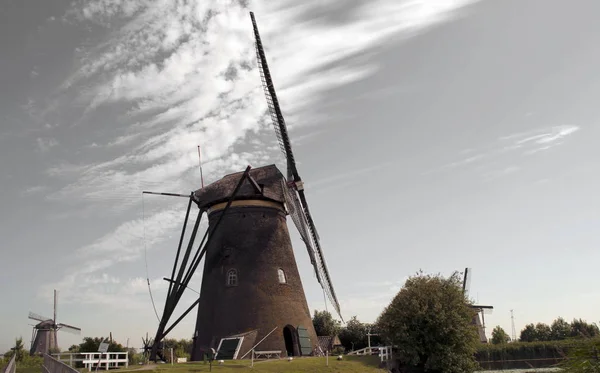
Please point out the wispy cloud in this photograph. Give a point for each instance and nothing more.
(46, 144)
(345, 178)
(507, 147)
(367, 299)
(34, 189)
(185, 72)
(89, 280)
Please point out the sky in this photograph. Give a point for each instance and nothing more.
(431, 134)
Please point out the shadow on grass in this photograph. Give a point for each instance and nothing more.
(349, 364)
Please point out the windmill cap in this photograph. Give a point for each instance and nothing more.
(269, 178)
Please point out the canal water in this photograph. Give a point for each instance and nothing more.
(537, 370)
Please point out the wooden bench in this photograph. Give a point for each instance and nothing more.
(267, 354)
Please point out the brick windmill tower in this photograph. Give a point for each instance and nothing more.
(251, 290)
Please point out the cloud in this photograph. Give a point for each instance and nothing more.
(90, 281)
(367, 299)
(105, 290)
(35, 190)
(345, 178)
(180, 74)
(494, 174)
(44, 145)
(505, 148)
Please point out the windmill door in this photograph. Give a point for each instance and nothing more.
(304, 341)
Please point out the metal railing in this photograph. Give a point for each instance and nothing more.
(11, 367)
(51, 365)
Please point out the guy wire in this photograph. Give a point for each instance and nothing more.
(146, 258)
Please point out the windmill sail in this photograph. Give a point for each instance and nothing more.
(467, 281)
(36, 317)
(303, 220)
(69, 328)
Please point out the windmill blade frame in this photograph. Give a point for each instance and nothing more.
(69, 328)
(467, 281)
(55, 304)
(294, 181)
(35, 316)
(273, 104)
(295, 211)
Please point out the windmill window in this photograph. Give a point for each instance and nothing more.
(281, 276)
(232, 277)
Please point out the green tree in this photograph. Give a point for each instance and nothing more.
(18, 349)
(325, 324)
(528, 334)
(429, 321)
(560, 329)
(499, 336)
(580, 328)
(583, 357)
(134, 356)
(543, 332)
(181, 347)
(74, 349)
(91, 344)
(354, 334)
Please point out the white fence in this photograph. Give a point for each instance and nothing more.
(91, 360)
(384, 352)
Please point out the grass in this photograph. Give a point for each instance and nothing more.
(349, 364)
(29, 369)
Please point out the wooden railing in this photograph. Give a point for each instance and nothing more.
(51, 365)
(11, 367)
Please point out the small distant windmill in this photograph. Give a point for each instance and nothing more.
(43, 337)
(480, 322)
(147, 347)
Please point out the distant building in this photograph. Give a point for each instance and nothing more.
(328, 343)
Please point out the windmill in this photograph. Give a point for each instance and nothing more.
(43, 338)
(479, 309)
(251, 288)
(147, 347)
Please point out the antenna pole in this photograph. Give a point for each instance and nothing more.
(512, 322)
(200, 163)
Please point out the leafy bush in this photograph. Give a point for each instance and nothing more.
(338, 350)
(583, 358)
(430, 322)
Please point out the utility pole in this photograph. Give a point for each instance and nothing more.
(512, 322)
(369, 337)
